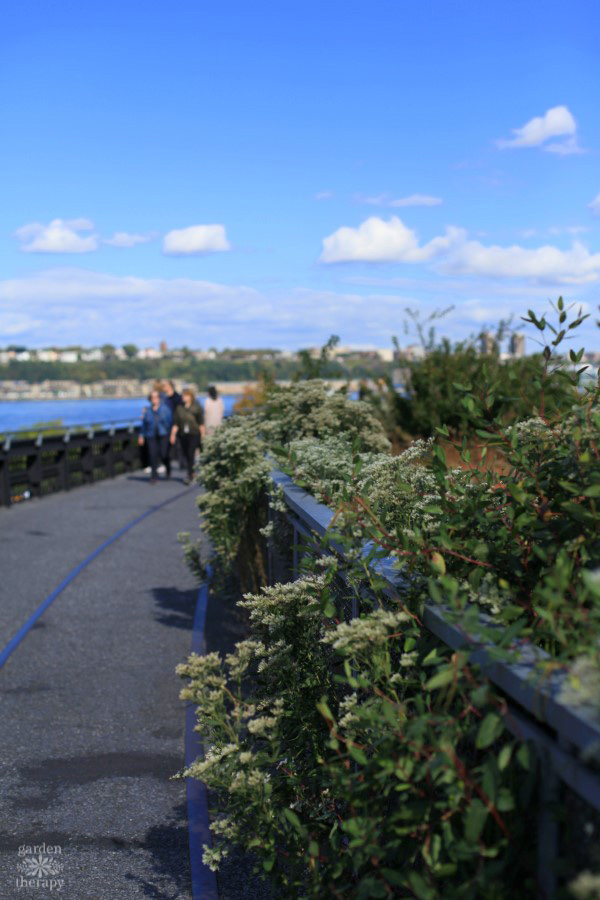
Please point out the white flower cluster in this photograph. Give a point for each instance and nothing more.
(366, 632)
(311, 409)
(582, 685)
(398, 489)
(347, 709)
(269, 608)
(586, 886)
(532, 429)
(212, 856)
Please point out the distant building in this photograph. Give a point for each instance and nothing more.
(68, 356)
(163, 347)
(517, 345)
(149, 353)
(47, 355)
(487, 344)
(93, 355)
(411, 353)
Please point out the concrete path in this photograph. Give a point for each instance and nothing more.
(91, 725)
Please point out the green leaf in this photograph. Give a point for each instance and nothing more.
(491, 728)
(475, 818)
(440, 679)
(438, 563)
(592, 491)
(591, 579)
(324, 709)
(525, 756)
(358, 755)
(420, 887)
(504, 756)
(293, 819)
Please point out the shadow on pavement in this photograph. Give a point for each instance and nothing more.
(167, 845)
(175, 608)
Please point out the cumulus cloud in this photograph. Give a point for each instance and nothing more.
(595, 205)
(195, 240)
(411, 200)
(556, 122)
(59, 236)
(545, 264)
(125, 239)
(377, 240)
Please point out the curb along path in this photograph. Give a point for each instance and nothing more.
(92, 726)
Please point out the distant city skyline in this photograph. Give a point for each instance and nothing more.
(269, 174)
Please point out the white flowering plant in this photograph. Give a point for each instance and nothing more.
(362, 758)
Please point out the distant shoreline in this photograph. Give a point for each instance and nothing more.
(19, 392)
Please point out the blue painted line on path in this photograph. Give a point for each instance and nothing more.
(26, 628)
(204, 881)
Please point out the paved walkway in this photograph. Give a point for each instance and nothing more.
(92, 727)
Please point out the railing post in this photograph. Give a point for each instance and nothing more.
(548, 841)
(34, 468)
(63, 463)
(294, 552)
(87, 458)
(110, 453)
(5, 497)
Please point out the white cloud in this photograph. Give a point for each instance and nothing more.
(573, 230)
(125, 239)
(377, 240)
(59, 236)
(545, 264)
(595, 205)
(67, 305)
(412, 200)
(324, 195)
(195, 240)
(556, 122)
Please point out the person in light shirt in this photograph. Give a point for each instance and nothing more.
(213, 411)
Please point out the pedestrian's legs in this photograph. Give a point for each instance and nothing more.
(189, 443)
(164, 453)
(144, 460)
(179, 453)
(153, 453)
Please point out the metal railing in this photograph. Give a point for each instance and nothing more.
(566, 738)
(49, 462)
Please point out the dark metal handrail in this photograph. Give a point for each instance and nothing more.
(34, 466)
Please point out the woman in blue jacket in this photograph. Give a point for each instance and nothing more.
(156, 428)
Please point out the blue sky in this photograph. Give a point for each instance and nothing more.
(231, 173)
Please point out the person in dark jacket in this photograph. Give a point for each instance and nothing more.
(173, 399)
(188, 426)
(156, 427)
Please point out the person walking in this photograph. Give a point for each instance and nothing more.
(214, 410)
(156, 427)
(173, 399)
(188, 427)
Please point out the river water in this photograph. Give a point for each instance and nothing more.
(16, 415)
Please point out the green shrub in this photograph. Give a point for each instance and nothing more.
(365, 759)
